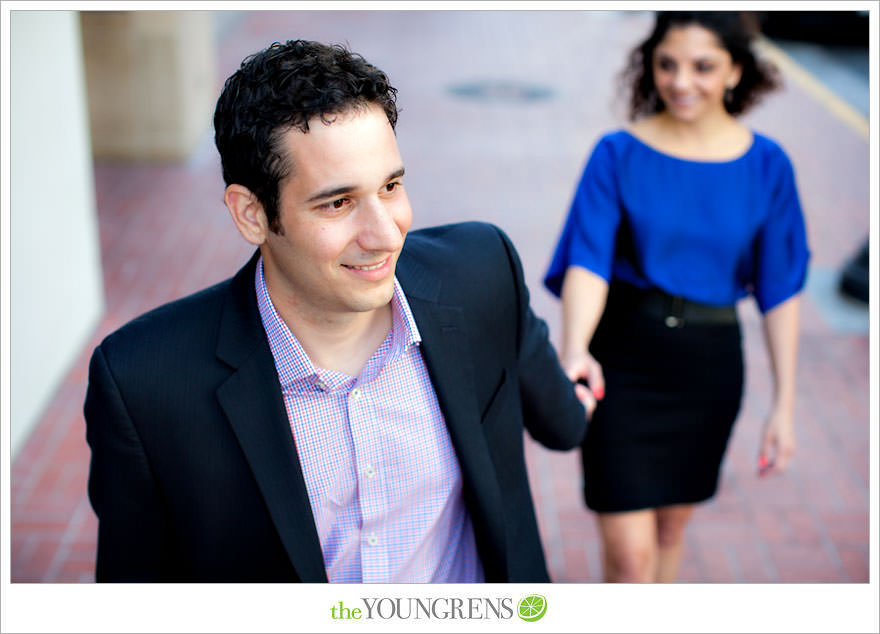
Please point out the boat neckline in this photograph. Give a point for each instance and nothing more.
(691, 160)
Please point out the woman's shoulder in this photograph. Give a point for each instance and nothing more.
(768, 146)
(611, 145)
(771, 155)
(610, 138)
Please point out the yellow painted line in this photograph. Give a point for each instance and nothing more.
(813, 87)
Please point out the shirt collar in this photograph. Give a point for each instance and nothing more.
(291, 361)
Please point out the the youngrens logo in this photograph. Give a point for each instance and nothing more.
(530, 608)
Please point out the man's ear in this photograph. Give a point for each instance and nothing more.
(247, 214)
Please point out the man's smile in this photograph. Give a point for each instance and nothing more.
(367, 267)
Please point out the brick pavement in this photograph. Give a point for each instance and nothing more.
(164, 233)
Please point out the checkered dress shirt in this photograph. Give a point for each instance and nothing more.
(381, 473)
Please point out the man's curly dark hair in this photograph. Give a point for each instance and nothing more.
(735, 32)
(283, 87)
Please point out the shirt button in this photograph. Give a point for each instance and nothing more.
(356, 394)
(321, 385)
(369, 471)
(372, 540)
(672, 321)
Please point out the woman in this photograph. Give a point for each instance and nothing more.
(675, 219)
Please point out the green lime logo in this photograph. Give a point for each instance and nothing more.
(532, 608)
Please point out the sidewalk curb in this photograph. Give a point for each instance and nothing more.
(813, 87)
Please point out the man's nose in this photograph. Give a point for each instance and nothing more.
(379, 231)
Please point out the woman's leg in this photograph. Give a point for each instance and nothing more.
(630, 545)
(671, 521)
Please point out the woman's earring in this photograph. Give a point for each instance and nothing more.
(728, 96)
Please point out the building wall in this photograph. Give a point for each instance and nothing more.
(150, 77)
(56, 282)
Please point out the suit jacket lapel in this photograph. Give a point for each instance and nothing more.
(448, 359)
(252, 400)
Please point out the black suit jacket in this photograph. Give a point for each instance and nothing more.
(194, 470)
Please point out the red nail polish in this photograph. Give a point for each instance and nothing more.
(600, 393)
(762, 461)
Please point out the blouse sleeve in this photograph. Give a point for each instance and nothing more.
(781, 248)
(588, 236)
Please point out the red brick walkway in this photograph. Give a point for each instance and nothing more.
(164, 232)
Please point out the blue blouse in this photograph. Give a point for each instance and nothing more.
(710, 231)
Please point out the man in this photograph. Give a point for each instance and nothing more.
(349, 407)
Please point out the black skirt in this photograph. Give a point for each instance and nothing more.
(673, 384)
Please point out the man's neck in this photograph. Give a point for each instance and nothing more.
(344, 344)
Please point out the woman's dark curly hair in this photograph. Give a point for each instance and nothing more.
(735, 32)
(280, 88)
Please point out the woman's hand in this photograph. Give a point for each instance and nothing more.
(781, 331)
(586, 373)
(777, 443)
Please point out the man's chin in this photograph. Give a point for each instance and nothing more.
(375, 300)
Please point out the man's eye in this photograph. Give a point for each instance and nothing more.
(339, 203)
(390, 187)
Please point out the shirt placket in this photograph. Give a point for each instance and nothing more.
(370, 476)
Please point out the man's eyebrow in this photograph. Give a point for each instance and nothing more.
(345, 189)
(330, 193)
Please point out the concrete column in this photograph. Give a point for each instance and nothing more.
(150, 77)
(56, 287)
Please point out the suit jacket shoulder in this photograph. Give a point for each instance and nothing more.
(180, 324)
(473, 263)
